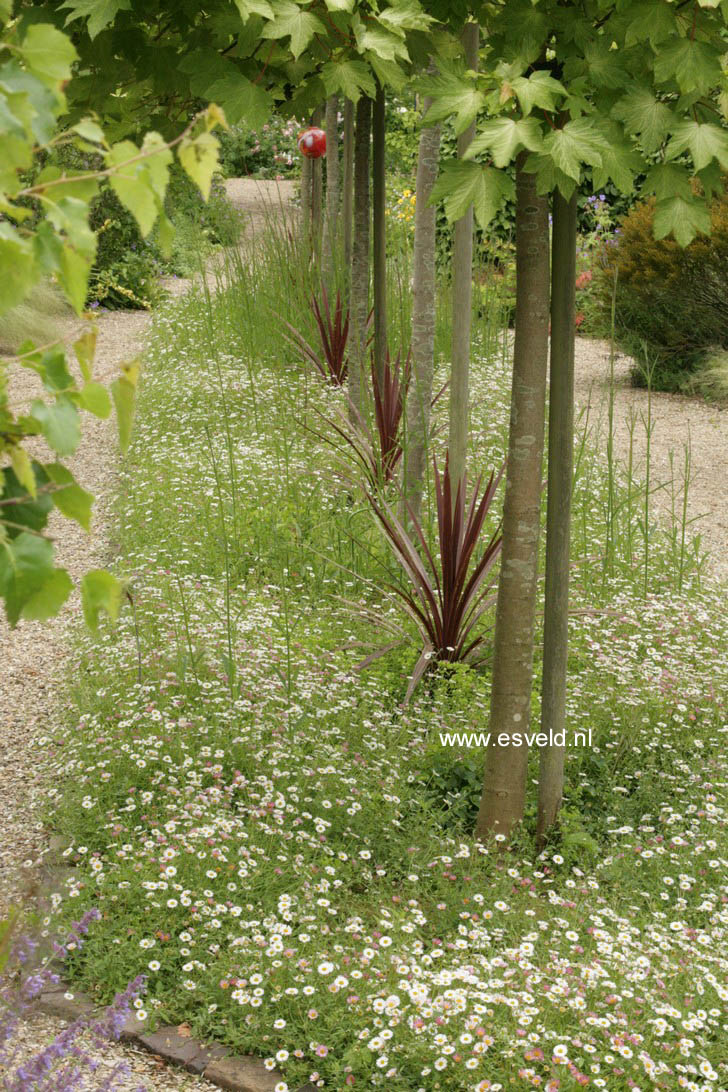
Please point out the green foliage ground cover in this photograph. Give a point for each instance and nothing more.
(286, 851)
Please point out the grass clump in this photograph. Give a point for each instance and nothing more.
(285, 850)
(38, 317)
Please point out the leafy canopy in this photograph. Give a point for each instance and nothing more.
(625, 89)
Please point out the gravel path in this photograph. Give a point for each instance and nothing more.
(677, 422)
(33, 656)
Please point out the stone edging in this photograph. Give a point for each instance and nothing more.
(235, 1072)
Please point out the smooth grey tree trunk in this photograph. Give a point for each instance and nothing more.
(347, 187)
(306, 199)
(359, 298)
(331, 219)
(419, 398)
(504, 782)
(558, 511)
(316, 194)
(462, 296)
(379, 248)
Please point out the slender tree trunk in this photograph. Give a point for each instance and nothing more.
(462, 296)
(379, 204)
(331, 220)
(419, 398)
(558, 511)
(359, 300)
(316, 195)
(504, 784)
(306, 200)
(347, 187)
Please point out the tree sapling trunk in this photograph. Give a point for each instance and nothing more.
(504, 783)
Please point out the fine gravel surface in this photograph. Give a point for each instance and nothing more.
(678, 423)
(33, 657)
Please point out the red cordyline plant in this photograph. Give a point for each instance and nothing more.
(446, 595)
(332, 362)
(389, 400)
(378, 455)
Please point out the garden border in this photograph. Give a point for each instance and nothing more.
(213, 1061)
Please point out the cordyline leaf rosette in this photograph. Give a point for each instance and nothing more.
(390, 395)
(447, 594)
(58, 244)
(625, 90)
(334, 333)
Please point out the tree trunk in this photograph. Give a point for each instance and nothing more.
(306, 196)
(316, 195)
(379, 204)
(558, 510)
(504, 784)
(359, 299)
(331, 220)
(347, 186)
(423, 319)
(462, 295)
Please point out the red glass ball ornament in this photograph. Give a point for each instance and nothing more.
(312, 143)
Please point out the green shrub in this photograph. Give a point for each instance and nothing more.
(671, 305)
(268, 152)
(127, 266)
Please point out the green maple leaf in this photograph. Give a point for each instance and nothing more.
(503, 137)
(548, 176)
(351, 78)
(694, 65)
(463, 183)
(538, 89)
(100, 13)
(651, 20)
(48, 54)
(253, 7)
(705, 142)
(682, 218)
(620, 161)
(668, 180)
(26, 572)
(604, 66)
(291, 21)
(577, 142)
(381, 43)
(405, 15)
(644, 114)
(241, 99)
(453, 96)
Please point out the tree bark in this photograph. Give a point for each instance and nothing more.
(359, 299)
(504, 783)
(379, 249)
(316, 195)
(347, 187)
(331, 220)
(462, 295)
(306, 197)
(558, 510)
(419, 398)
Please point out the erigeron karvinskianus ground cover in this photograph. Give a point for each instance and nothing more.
(286, 852)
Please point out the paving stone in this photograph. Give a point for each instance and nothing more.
(181, 1049)
(242, 1074)
(53, 1002)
